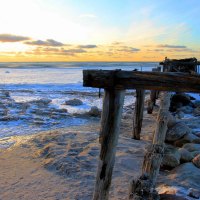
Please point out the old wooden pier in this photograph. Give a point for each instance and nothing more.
(115, 83)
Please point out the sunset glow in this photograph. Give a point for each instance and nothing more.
(85, 30)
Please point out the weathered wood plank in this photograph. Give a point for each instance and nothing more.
(144, 187)
(163, 81)
(110, 125)
(138, 114)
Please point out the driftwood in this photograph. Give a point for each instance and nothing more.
(162, 81)
(110, 125)
(144, 187)
(138, 114)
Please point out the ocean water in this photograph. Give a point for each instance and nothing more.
(57, 82)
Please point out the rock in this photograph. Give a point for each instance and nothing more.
(196, 161)
(171, 157)
(171, 121)
(171, 197)
(186, 156)
(196, 111)
(194, 193)
(179, 100)
(195, 153)
(180, 114)
(41, 102)
(74, 102)
(9, 118)
(94, 111)
(197, 134)
(188, 138)
(6, 93)
(197, 103)
(196, 141)
(186, 109)
(177, 131)
(192, 147)
(183, 172)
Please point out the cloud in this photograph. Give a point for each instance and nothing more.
(73, 51)
(12, 38)
(171, 46)
(55, 51)
(129, 49)
(49, 42)
(90, 46)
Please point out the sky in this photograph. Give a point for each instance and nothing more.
(98, 30)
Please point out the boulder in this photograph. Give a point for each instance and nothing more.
(171, 157)
(197, 134)
(196, 103)
(194, 193)
(186, 156)
(188, 138)
(74, 102)
(94, 111)
(180, 114)
(177, 131)
(186, 109)
(196, 111)
(192, 147)
(6, 93)
(186, 175)
(171, 121)
(171, 197)
(195, 153)
(41, 102)
(196, 161)
(179, 100)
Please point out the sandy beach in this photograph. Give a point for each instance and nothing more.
(61, 164)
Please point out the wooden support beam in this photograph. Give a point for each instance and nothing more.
(153, 95)
(163, 81)
(109, 132)
(138, 114)
(151, 101)
(144, 187)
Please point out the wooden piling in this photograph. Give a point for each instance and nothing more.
(144, 187)
(109, 132)
(138, 114)
(153, 95)
(152, 101)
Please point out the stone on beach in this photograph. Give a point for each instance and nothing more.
(196, 111)
(186, 175)
(74, 102)
(196, 161)
(186, 156)
(192, 147)
(41, 102)
(188, 138)
(194, 193)
(177, 131)
(179, 100)
(171, 157)
(94, 112)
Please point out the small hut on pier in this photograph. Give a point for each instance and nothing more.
(187, 65)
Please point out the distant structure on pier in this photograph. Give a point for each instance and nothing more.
(187, 65)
